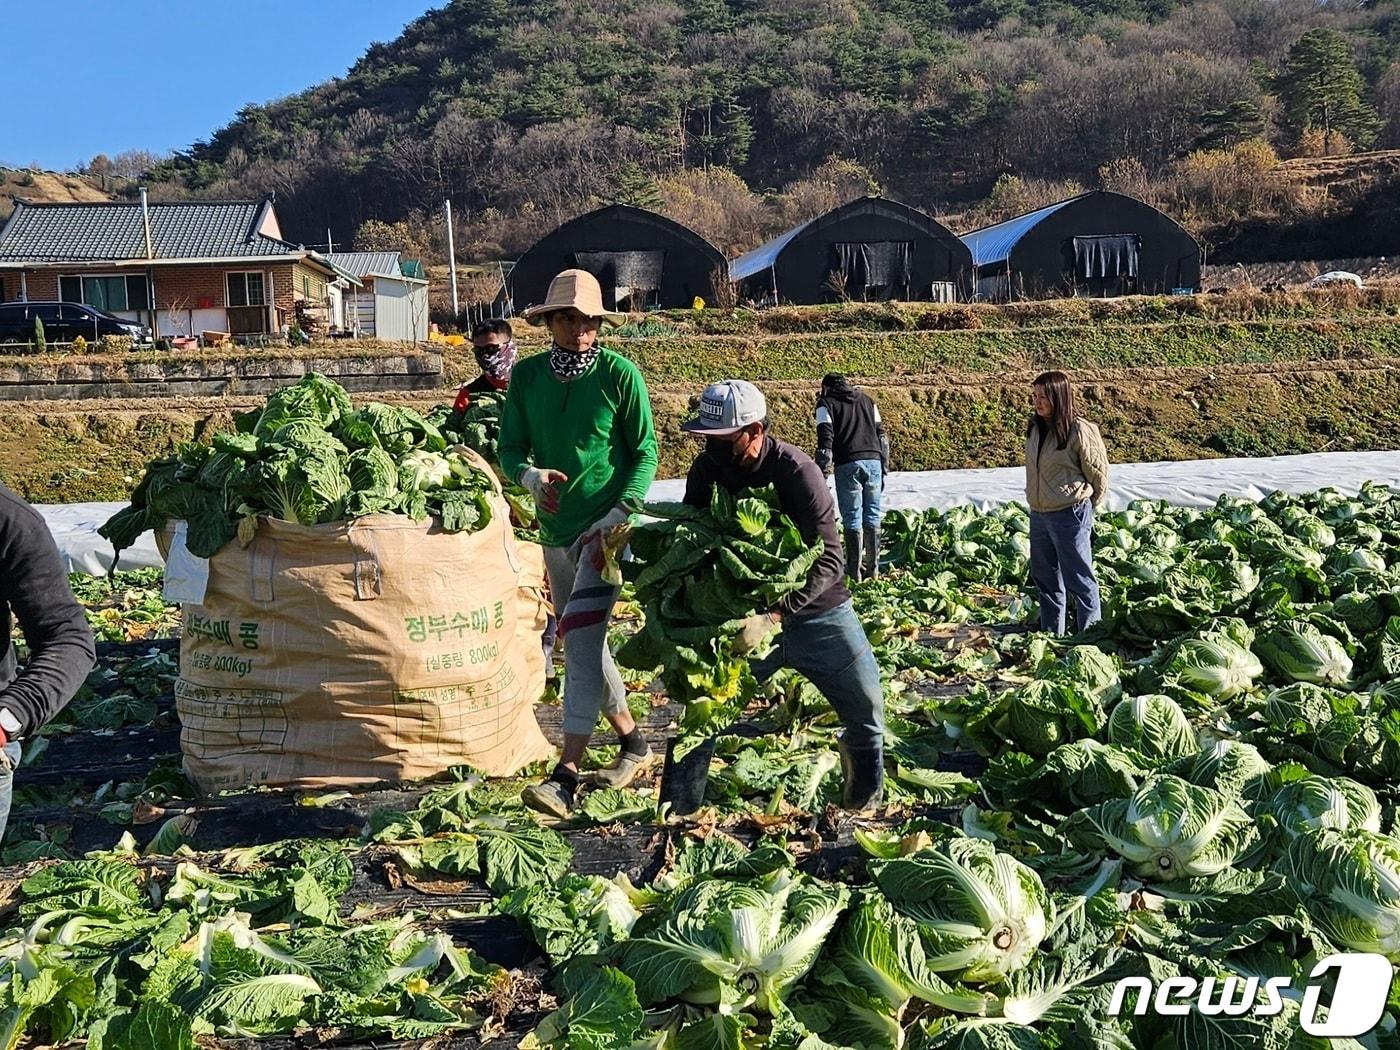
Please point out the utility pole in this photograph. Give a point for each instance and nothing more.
(451, 258)
(150, 270)
(330, 244)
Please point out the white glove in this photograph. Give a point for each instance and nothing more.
(754, 630)
(608, 535)
(617, 518)
(609, 521)
(543, 484)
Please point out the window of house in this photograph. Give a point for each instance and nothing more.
(111, 293)
(246, 289)
(305, 286)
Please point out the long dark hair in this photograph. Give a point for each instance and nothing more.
(1057, 389)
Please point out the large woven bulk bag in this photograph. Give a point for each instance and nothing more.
(376, 649)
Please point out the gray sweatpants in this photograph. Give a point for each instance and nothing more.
(584, 604)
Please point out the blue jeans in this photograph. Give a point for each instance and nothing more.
(831, 651)
(8, 766)
(858, 491)
(1061, 560)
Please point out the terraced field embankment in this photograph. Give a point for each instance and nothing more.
(1167, 379)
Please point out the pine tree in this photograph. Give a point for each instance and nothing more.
(707, 16)
(1321, 88)
(1223, 128)
(636, 187)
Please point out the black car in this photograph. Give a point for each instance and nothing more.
(64, 322)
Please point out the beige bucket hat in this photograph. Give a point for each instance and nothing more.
(578, 289)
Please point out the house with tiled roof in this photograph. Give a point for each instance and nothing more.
(391, 301)
(181, 267)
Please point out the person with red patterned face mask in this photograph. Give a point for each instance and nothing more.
(494, 345)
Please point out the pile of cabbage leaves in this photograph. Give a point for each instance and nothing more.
(697, 573)
(308, 457)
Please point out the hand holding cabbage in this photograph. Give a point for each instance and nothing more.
(705, 577)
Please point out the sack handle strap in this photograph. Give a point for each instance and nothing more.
(262, 568)
(369, 576)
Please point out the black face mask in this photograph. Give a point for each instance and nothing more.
(725, 452)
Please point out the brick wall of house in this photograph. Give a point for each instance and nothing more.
(40, 285)
(286, 289)
(175, 285)
(183, 286)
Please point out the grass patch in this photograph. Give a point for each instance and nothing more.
(950, 398)
(1191, 413)
(1380, 299)
(894, 354)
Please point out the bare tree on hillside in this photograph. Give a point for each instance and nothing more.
(135, 163)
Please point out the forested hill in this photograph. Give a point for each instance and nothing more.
(537, 110)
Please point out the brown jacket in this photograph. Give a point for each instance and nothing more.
(1057, 478)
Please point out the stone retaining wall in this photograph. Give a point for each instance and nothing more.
(212, 377)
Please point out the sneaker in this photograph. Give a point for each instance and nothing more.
(549, 797)
(624, 771)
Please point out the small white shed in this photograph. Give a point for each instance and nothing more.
(392, 304)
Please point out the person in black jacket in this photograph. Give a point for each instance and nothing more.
(34, 587)
(852, 444)
(493, 342)
(819, 634)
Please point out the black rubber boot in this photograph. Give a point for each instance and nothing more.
(862, 778)
(853, 554)
(870, 565)
(683, 780)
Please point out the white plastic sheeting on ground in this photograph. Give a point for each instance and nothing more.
(1191, 483)
(74, 527)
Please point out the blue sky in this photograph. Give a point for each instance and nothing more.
(101, 76)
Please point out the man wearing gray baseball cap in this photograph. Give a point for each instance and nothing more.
(819, 634)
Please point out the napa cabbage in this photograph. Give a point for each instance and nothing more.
(742, 943)
(1298, 652)
(1317, 802)
(1217, 664)
(1231, 767)
(1350, 884)
(1153, 726)
(1169, 829)
(306, 458)
(981, 913)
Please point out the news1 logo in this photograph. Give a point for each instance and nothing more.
(1360, 988)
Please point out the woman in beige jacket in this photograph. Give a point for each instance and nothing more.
(1066, 478)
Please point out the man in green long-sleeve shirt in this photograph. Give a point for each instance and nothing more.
(576, 430)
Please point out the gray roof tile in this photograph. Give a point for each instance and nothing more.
(108, 231)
